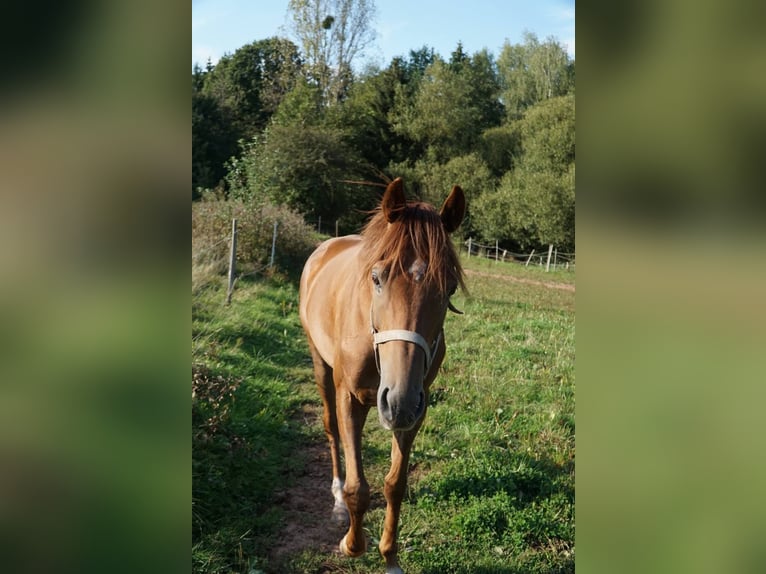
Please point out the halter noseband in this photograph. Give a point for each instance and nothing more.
(380, 337)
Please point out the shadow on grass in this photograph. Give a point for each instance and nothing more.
(245, 441)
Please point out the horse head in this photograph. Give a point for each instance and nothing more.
(413, 270)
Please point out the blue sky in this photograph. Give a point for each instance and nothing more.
(222, 26)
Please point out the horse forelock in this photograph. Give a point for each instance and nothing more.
(417, 233)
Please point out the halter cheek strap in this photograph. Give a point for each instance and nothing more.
(380, 337)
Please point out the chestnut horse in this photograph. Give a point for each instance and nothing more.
(373, 307)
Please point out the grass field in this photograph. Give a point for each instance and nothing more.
(491, 485)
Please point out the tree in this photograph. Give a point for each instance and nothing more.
(332, 34)
(500, 147)
(534, 204)
(532, 72)
(302, 166)
(468, 171)
(454, 103)
(251, 83)
(234, 101)
(417, 63)
(212, 137)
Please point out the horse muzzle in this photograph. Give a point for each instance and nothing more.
(401, 404)
(400, 411)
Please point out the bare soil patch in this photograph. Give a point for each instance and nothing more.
(307, 504)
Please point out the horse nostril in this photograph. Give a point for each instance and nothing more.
(383, 401)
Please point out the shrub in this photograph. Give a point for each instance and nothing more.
(211, 238)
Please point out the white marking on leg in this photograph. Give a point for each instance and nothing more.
(339, 510)
(337, 489)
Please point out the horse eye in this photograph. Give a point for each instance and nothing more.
(375, 279)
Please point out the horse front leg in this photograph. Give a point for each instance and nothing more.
(395, 487)
(356, 492)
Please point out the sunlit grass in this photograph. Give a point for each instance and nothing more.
(491, 486)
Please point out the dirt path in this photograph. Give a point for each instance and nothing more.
(548, 284)
(307, 504)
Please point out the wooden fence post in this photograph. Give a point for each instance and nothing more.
(497, 250)
(469, 247)
(336, 228)
(273, 245)
(319, 225)
(548, 263)
(529, 258)
(232, 260)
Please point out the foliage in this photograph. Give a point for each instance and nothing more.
(548, 135)
(535, 208)
(213, 137)
(534, 204)
(251, 82)
(468, 171)
(363, 118)
(301, 106)
(234, 100)
(211, 233)
(499, 146)
(454, 103)
(532, 72)
(273, 123)
(302, 167)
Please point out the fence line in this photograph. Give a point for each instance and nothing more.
(558, 258)
(233, 275)
(202, 250)
(551, 256)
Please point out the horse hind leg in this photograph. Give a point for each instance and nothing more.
(324, 380)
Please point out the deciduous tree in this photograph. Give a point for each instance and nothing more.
(534, 204)
(332, 35)
(533, 71)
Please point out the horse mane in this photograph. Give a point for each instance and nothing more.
(418, 233)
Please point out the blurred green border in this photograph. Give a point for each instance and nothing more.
(670, 308)
(94, 320)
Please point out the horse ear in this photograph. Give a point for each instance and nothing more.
(393, 201)
(453, 210)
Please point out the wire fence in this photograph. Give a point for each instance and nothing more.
(550, 258)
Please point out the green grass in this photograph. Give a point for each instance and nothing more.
(491, 487)
(252, 372)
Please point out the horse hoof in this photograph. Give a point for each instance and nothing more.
(345, 549)
(394, 570)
